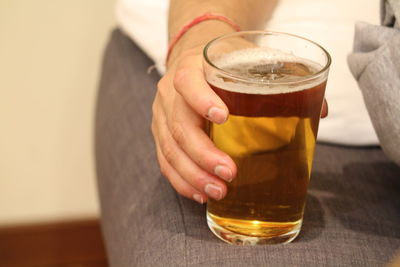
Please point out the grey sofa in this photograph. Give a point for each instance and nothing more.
(352, 215)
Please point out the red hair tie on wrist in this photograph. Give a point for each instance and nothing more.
(197, 20)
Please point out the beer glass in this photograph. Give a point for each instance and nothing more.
(273, 85)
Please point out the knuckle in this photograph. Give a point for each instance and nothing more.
(181, 77)
(201, 180)
(153, 128)
(154, 108)
(177, 133)
(162, 87)
(164, 171)
(203, 160)
(168, 152)
(161, 83)
(153, 117)
(164, 168)
(154, 121)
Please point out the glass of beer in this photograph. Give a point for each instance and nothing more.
(273, 85)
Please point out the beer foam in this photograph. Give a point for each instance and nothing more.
(238, 62)
(251, 55)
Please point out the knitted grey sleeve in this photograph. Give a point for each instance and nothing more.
(375, 63)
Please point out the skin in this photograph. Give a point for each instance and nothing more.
(186, 155)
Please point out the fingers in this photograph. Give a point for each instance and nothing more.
(186, 129)
(187, 157)
(177, 182)
(190, 83)
(178, 167)
(324, 111)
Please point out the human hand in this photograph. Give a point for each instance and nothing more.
(186, 155)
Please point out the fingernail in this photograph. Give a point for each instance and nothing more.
(198, 198)
(213, 191)
(217, 115)
(223, 172)
(327, 108)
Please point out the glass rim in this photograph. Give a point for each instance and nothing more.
(247, 80)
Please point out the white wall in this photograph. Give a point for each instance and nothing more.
(50, 54)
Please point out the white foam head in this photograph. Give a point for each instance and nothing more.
(252, 85)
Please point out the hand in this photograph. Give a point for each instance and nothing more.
(324, 110)
(187, 156)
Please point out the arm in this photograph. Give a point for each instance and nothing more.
(187, 157)
(249, 15)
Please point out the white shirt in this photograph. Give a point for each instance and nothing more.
(328, 22)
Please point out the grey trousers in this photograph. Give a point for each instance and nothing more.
(352, 215)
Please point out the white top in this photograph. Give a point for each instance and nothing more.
(329, 23)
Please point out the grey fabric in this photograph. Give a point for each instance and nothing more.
(390, 13)
(352, 216)
(375, 63)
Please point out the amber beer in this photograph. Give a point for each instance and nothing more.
(270, 134)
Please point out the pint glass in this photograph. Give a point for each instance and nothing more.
(273, 85)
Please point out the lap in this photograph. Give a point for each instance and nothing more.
(351, 215)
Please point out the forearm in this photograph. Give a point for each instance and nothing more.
(250, 14)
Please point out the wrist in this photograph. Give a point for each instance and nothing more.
(198, 36)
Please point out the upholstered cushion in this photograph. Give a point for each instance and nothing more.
(352, 215)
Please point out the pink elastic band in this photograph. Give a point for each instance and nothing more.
(197, 20)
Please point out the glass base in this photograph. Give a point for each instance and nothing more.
(266, 233)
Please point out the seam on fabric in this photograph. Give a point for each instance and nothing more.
(184, 225)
